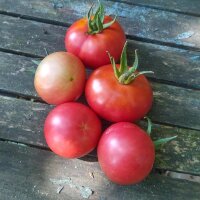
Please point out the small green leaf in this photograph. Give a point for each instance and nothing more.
(115, 69)
(101, 12)
(109, 23)
(96, 20)
(89, 15)
(159, 142)
(99, 24)
(90, 12)
(135, 64)
(149, 125)
(123, 60)
(143, 72)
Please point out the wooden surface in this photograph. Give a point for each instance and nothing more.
(166, 33)
(170, 5)
(39, 174)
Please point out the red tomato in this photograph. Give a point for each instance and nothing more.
(92, 48)
(126, 153)
(72, 130)
(60, 78)
(117, 102)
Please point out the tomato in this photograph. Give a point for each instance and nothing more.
(91, 46)
(72, 130)
(117, 92)
(117, 102)
(60, 78)
(125, 153)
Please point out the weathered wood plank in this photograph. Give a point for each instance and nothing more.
(182, 154)
(18, 73)
(36, 38)
(169, 64)
(170, 105)
(193, 7)
(28, 173)
(175, 105)
(138, 21)
(22, 121)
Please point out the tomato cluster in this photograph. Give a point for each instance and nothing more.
(115, 92)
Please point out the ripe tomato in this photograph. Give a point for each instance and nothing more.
(90, 38)
(117, 102)
(72, 130)
(118, 92)
(59, 78)
(125, 153)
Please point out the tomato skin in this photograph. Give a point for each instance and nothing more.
(72, 130)
(125, 153)
(116, 102)
(92, 49)
(60, 78)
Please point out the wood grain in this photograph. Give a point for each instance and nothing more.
(177, 6)
(169, 64)
(175, 105)
(28, 173)
(141, 22)
(37, 37)
(30, 28)
(170, 102)
(22, 121)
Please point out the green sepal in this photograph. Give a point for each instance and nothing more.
(89, 15)
(96, 20)
(101, 12)
(123, 60)
(159, 142)
(109, 23)
(149, 126)
(135, 64)
(99, 23)
(115, 69)
(125, 74)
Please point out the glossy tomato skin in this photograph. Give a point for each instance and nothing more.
(72, 130)
(92, 49)
(116, 102)
(126, 153)
(60, 78)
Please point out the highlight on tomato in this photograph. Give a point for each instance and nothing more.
(118, 93)
(72, 130)
(60, 78)
(91, 37)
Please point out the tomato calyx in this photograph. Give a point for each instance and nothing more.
(96, 20)
(125, 74)
(158, 142)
